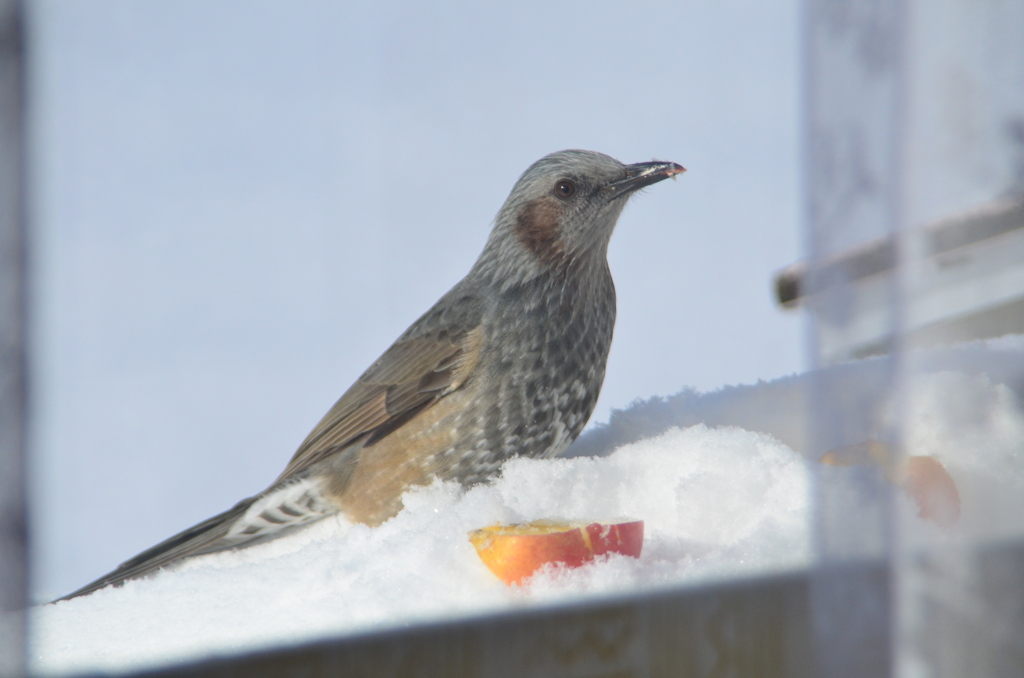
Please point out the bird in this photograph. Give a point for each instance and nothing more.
(509, 362)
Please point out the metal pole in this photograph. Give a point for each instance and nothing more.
(13, 363)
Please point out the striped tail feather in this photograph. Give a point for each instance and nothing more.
(249, 522)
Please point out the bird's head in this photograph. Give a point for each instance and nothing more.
(563, 209)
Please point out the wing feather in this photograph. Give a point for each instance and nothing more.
(411, 375)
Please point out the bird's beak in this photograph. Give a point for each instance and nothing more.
(643, 174)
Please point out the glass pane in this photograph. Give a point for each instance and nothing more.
(916, 171)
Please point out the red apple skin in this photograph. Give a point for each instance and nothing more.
(515, 552)
(624, 538)
(928, 482)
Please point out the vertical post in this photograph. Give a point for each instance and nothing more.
(854, 83)
(13, 527)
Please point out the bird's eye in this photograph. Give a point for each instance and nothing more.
(565, 189)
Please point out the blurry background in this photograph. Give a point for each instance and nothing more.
(238, 206)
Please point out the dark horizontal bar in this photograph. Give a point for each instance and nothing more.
(795, 282)
(756, 627)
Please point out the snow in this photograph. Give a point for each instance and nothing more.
(716, 477)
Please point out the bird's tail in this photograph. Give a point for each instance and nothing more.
(282, 507)
(206, 537)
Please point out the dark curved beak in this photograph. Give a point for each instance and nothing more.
(643, 174)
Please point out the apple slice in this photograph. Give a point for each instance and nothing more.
(924, 479)
(514, 552)
(931, 486)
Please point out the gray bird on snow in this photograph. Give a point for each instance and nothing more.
(509, 362)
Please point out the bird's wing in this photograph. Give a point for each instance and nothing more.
(414, 373)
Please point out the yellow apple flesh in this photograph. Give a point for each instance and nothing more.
(514, 552)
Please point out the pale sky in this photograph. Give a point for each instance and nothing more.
(238, 206)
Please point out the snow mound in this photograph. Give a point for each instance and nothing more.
(716, 502)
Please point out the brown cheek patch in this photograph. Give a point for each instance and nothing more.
(537, 228)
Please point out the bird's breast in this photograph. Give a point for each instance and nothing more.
(541, 373)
